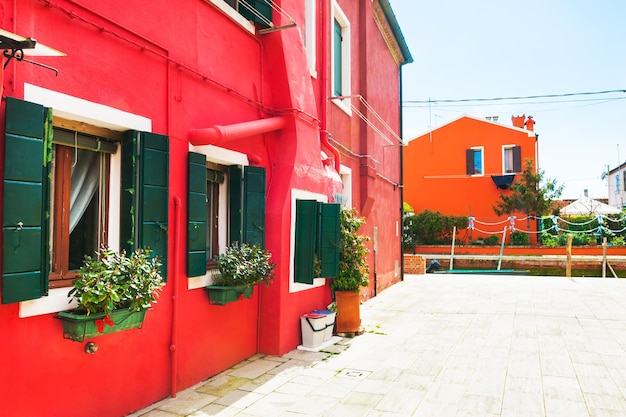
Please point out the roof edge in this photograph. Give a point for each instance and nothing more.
(397, 32)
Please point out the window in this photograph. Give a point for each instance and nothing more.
(337, 58)
(214, 180)
(225, 204)
(511, 159)
(259, 11)
(624, 177)
(474, 161)
(79, 189)
(310, 33)
(58, 185)
(340, 53)
(316, 241)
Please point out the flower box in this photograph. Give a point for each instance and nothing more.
(222, 295)
(78, 326)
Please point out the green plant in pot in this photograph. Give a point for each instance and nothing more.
(241, 267)
(353, 271)
(113, 292)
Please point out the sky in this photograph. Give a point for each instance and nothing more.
(485, 49)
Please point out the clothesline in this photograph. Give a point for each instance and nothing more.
(512, 220)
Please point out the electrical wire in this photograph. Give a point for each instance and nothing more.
(464, 100)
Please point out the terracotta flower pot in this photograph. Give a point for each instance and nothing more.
(348, 318)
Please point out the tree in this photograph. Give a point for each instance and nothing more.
(532, 194)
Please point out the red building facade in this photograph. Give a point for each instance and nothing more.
(267, 103)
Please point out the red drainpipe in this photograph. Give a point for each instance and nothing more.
(323, 54)
(174, 284)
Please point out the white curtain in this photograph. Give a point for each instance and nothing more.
(84, 184)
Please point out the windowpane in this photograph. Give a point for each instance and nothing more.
(508, 160)
(78, 207)
(478, 161)
(84, 207)
(212, 224)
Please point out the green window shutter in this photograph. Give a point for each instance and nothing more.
(235, 200)
(247, 204)
(328, 239)
(261, 7)
(26, 201)
(337, 60)
(306, 225)
(145, 171)
(254, 206)
(196, 215)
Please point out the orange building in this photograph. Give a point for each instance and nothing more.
(462, 167)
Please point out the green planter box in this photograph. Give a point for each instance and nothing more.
(79, 327)
(223, 295)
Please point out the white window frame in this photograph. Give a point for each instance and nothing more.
(233, 15)
(226, 157)
(482, 160)
(74, 108)
(310, 35)
(301, 195)
(346, 71)
(346, 181)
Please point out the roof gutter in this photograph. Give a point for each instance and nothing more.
(395, 29)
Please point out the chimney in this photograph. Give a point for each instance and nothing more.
(586, 192)
(530, 123)
(518, 121)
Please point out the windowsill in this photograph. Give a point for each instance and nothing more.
(344, 105)
(233, 15)
(56, 300)
(193, 283)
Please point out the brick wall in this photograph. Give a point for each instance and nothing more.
(414, 264)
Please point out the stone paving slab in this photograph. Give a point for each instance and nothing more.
(445, 345)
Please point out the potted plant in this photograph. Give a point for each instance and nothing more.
(113, 292)
(353, 272)
(241, 267)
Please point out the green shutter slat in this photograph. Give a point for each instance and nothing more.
(196, 214)
(328, 239)
(24, 118)
(260, 6)
(25, 201)
(254, 206)
(306, 224)
(145, 176)
(128, 191)
(235, 200)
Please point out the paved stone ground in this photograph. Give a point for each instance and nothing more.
(445, 345)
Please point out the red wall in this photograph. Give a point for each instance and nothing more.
(202, 70)
(375, 151)
(435, 174)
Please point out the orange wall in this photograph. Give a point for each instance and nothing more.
(435, 175)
